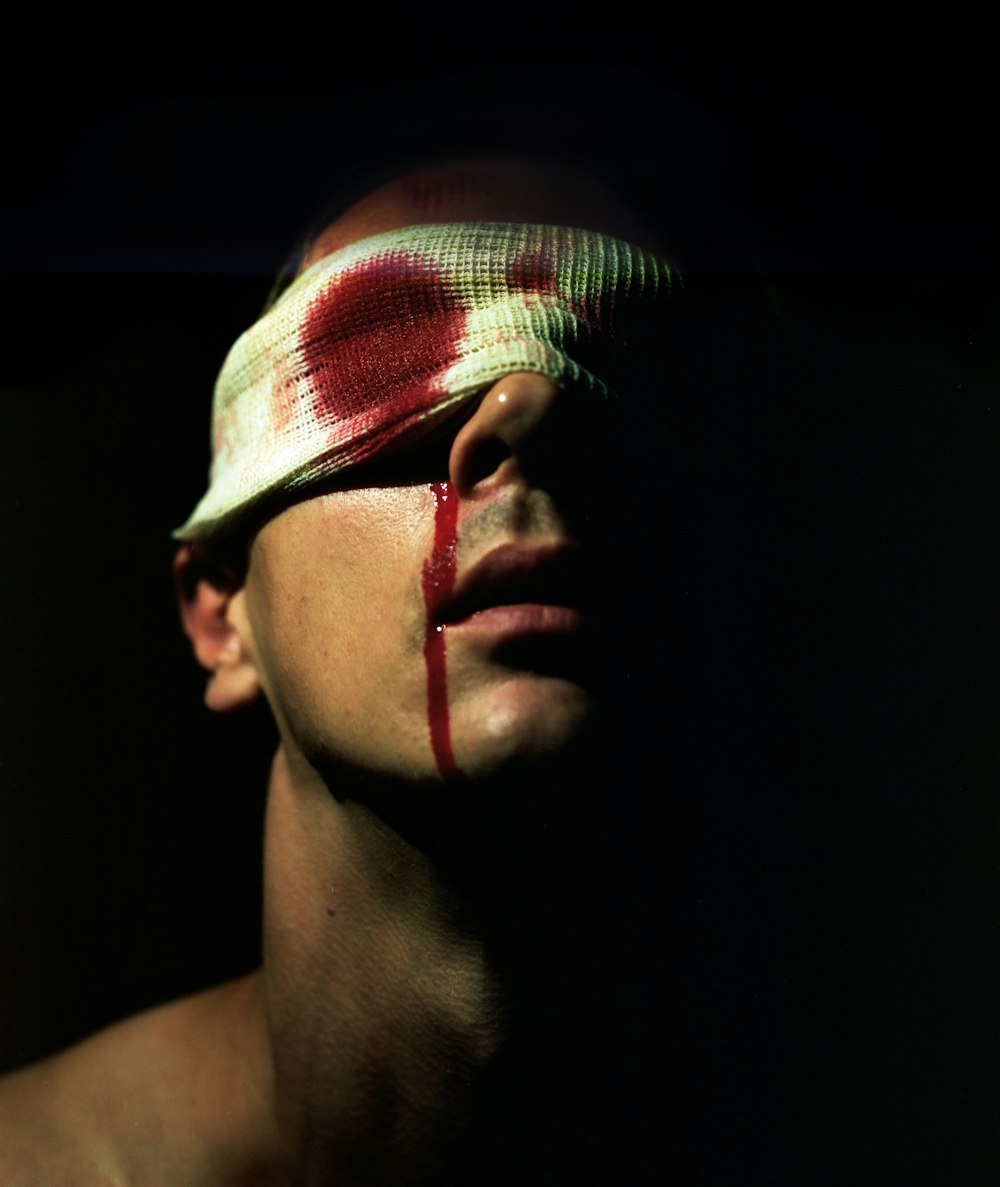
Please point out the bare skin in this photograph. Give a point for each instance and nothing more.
(99, 1114)
(354, 1055)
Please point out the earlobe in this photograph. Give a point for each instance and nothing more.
(213, 616)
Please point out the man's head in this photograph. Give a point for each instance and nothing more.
(422, 611)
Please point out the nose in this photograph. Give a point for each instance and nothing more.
(501, 437)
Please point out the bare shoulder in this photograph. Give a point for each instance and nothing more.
(46, 1139)
(179, 1095)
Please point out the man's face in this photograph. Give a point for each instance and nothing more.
(431, 619)
(427, 618)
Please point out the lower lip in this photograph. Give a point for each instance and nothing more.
(523, 618)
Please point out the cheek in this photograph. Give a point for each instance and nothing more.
(336, 606)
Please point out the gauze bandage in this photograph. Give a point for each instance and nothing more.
(373, 345)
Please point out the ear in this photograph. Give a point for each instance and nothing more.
(213, 614)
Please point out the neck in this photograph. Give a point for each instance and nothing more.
(380, 999)
(423, 946)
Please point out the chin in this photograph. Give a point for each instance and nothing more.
(531, 720)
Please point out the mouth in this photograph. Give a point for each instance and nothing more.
(519, 589)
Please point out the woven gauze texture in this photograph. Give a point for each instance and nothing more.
(374, 344)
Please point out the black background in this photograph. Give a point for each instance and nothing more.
(833, 212)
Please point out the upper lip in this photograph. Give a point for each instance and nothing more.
(515, 573)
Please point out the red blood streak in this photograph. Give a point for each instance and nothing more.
(439, 581)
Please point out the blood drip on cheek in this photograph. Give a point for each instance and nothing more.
(438, 582)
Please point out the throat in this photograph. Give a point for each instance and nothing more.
(382, 1005)
(436, 966)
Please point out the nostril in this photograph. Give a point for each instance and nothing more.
(485, 458)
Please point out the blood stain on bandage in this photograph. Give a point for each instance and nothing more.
(438, 582)
(375, 345)
(534, 271)
(531, 271)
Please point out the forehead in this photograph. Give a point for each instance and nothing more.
(487, 190)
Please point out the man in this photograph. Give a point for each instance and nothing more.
(415, 545)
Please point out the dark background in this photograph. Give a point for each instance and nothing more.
(833, 367)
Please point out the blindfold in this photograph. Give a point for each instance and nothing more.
(374, 345)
